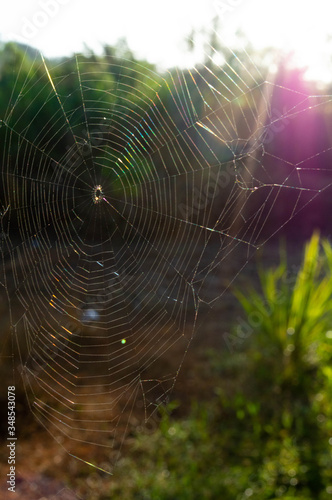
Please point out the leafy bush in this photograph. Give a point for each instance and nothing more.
(295, 315)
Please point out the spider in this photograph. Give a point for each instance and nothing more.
(97, 194)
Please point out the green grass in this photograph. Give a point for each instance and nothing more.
(266, 433)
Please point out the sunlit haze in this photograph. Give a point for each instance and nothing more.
(156, 30)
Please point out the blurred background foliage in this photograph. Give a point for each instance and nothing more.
(126, 97)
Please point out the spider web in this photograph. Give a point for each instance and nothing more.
(122, 198)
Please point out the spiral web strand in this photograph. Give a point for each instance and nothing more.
(117, 209)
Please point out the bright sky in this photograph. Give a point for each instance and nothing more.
(155, 29)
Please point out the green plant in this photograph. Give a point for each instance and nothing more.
(290, 354)
(295, 314)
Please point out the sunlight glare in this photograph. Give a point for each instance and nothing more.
(302, 29)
